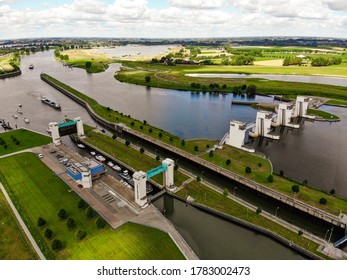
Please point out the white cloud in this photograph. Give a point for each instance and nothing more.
(338, 5)
(197, 4)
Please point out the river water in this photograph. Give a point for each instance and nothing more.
(308, 153)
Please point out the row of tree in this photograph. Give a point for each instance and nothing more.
(292, 61)
(326, 61)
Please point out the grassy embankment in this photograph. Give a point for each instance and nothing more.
(173, 77)
(213, 199)
(37, 192)
(5, 65)
(323, 115)
(26, 139)
(14, 244)
(78, 58)
(239, 159)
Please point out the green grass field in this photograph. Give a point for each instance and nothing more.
(27, 139)
(14, 244)
(322, 114)
(37, 192)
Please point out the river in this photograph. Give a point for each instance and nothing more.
(187, 114)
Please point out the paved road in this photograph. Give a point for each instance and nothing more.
(21, 222)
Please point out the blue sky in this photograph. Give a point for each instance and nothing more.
(172, 18)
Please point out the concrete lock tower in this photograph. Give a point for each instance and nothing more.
(86, 179)
(169, 172)
(53, 126)
(263, 125)
(284, 116)
(301, 106)
(80, 129)
(140, 179)
(238, 135)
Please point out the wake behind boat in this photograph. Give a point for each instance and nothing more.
(51, 103)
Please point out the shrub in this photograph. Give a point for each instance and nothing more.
(57, 245)
(196, 148)
(127, 143)
(90, 213)
(62, 214)
(210, 154)
(198, 178)
(225, 192)
(323, 201)
(295, 188)
(248, 170)
(260, 164)
(41, 222)
(80, 234)
(332, 191)
(70, 222)
(141, 127)
(142, 150)
(48, 233)
(228, 162)
(281, 173)
(150, 130)
(258, 211)
(183, 143)
(81, 204)
(132, 124)
(100, 223)
(160, 135)
(147, 79)
(270, 178)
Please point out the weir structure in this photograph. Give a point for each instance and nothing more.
(140, 178)
(285, 115)
(263, 125)
(66, 128)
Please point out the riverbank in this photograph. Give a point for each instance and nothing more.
(11, 74)
(174, 77)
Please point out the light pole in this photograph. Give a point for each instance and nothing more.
(155, 152)
(276, 211)
(201, 174)
(234, 190)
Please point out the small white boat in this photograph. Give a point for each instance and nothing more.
(19, 111)
(125, 175)
(93, 153)
(26, 120)
(100, 158)
(15, 116)
(31, 66)
(110, 164)
(81, 146)
(116, 167)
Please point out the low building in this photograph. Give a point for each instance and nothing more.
(84, 173)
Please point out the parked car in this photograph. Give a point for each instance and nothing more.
(39, 155)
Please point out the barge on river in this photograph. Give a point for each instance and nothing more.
(51, 103)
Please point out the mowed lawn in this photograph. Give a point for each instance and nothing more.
(26, 139)
(13, 243)
(37, 192)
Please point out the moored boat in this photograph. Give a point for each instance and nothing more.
(51, 103)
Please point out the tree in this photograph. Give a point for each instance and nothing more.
(81, 204)
(142, 150)
(80, 234)
(48, 233)
(127, 143)
(258, 211)
(225, 192)
(196, 148)
(57, 245)
(88, 64)
(150, 130)
(210, 154)
(228, 162)
(147, 79)
(270, 178)
(62, 214)
(100, 223)
(332, 191)
(323, 201)
(90, 213)
(198, 178)
(251, 89)
(41, 222)
(160, 135)
(132, 123)
(295, 188)
(248, 170)
(70, 222)
(183, 143)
